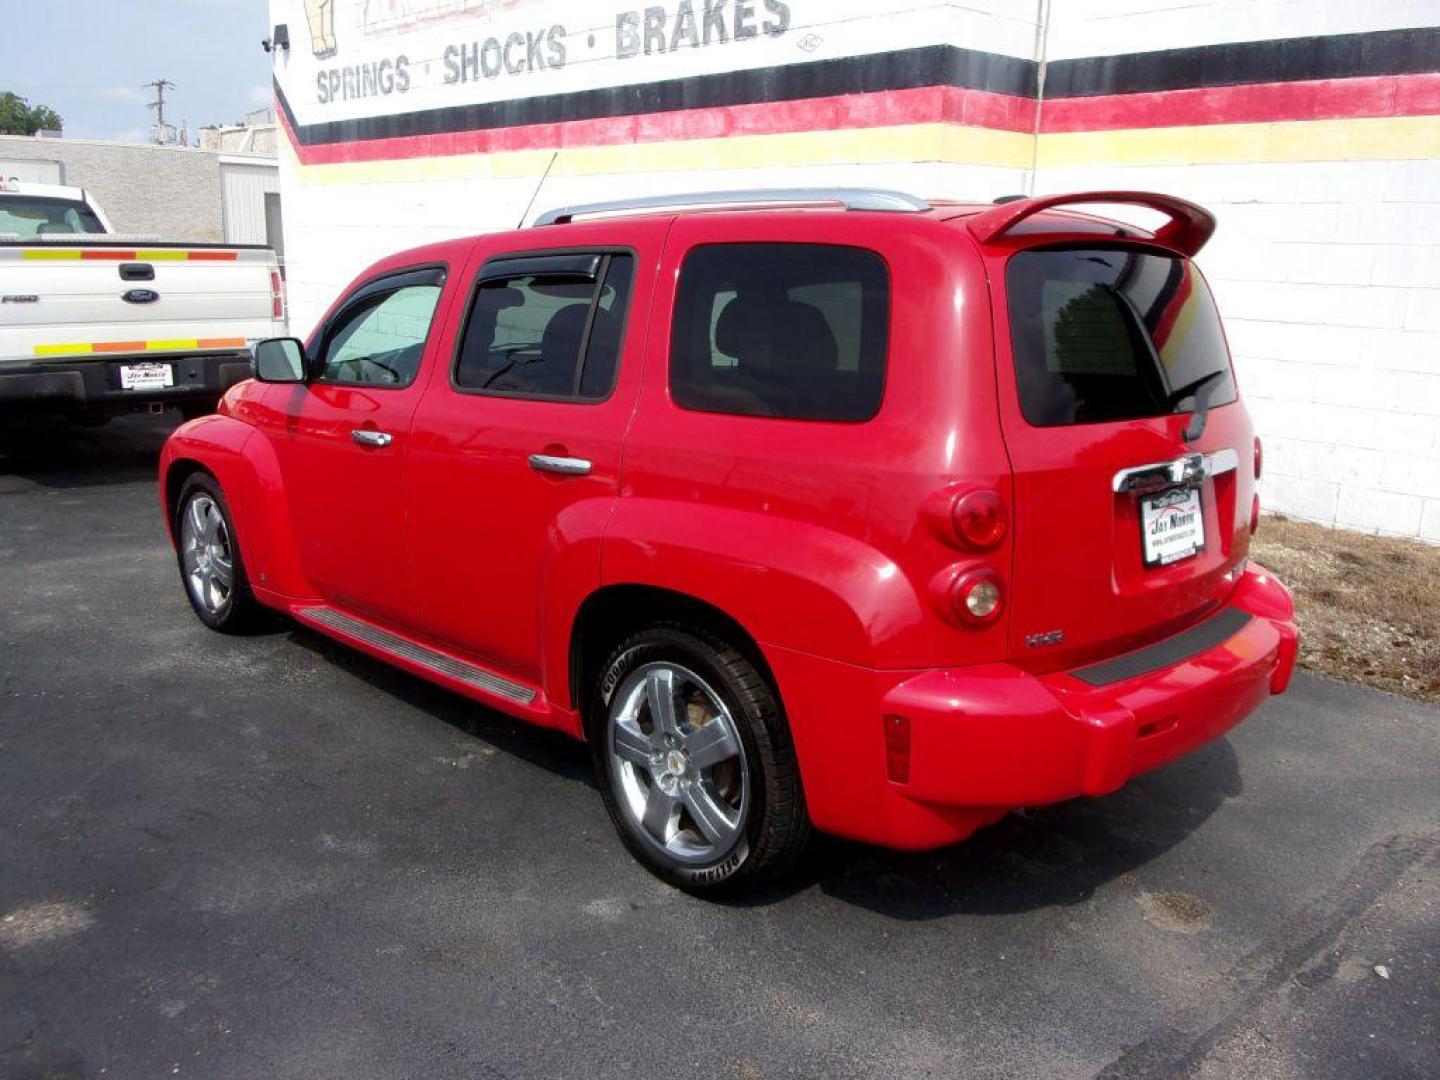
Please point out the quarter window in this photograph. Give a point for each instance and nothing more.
(547, 327)
(380, 340)
(781, 330)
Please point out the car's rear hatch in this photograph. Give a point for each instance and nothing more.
(1125, 529)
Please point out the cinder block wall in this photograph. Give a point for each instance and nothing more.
(172, 193)
(1327, 261)
(1312, 129)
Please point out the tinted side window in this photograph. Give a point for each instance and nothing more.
(381, 339)
(546, 334)
(1106, 334)
(784, 330)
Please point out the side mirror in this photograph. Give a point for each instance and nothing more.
(280, 360)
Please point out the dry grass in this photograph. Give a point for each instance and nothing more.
(1368, 606)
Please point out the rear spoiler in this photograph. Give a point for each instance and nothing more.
(1188, 229)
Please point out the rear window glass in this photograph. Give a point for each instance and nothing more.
(781, 330)
(1108, 334)
(29, 216)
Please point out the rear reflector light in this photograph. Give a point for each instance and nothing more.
(1259, 457)
(978, 596)
(277, 296)
(1254, 515)
(980, 518)
(897, 748)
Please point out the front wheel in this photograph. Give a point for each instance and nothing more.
(211, 567)
(695, 761)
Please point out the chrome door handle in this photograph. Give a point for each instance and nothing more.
(366, 437)
(565, 466)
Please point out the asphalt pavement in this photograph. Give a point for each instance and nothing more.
(272, 857)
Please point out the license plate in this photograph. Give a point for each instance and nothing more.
(1172, 526)
(146, 376)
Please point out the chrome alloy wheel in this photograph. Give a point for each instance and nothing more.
(206, 554)
(677, 763)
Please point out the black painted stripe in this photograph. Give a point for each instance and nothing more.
(1384, 52)
(903, 69)
(1205, 635)
(1339, 56)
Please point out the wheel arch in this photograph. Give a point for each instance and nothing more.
(177, 472)
(614, 611)
(248, 473)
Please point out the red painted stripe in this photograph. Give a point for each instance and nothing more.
(220, 343)
(937, 104)
(106, 253)
(212, 256)
(118, 346)
(1323, 99)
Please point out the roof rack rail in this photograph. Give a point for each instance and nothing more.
(849, 198)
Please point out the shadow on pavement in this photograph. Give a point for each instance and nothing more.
(1053, 856)
(49, 451)
(548, 750)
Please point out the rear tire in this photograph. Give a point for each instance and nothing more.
(705, 792)
(212, 569)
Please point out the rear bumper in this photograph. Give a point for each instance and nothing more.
(97, 381)
(967, 744)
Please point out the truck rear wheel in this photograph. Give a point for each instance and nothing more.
(211, 567)
(695, 762)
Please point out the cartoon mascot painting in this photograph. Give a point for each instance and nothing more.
(321, 14)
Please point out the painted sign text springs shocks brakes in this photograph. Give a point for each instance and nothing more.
(639, 32)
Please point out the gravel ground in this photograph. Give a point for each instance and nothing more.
(1368, 606)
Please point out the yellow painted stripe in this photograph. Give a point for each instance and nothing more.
(42, 253)
(161, 256)
(906, 143)
(1361, 139)
(73, 348)
(1353, 139)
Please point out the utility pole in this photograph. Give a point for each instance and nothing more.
(161, 133)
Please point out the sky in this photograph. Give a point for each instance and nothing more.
(86, 59)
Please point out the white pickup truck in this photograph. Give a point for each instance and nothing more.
(97, 323)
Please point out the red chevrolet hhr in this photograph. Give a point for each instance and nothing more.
(806, 509)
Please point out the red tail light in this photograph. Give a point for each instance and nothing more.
(1259, 457)
(277, 296)
(1255, 515)
(978, 596)
(980, 518)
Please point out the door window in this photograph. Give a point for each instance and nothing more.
(547, 328)
(380, 339)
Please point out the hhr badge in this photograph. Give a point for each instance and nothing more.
(1040, 641)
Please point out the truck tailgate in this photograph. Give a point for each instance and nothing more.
(109, 298)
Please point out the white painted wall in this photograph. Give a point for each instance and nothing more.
(1327, 272)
